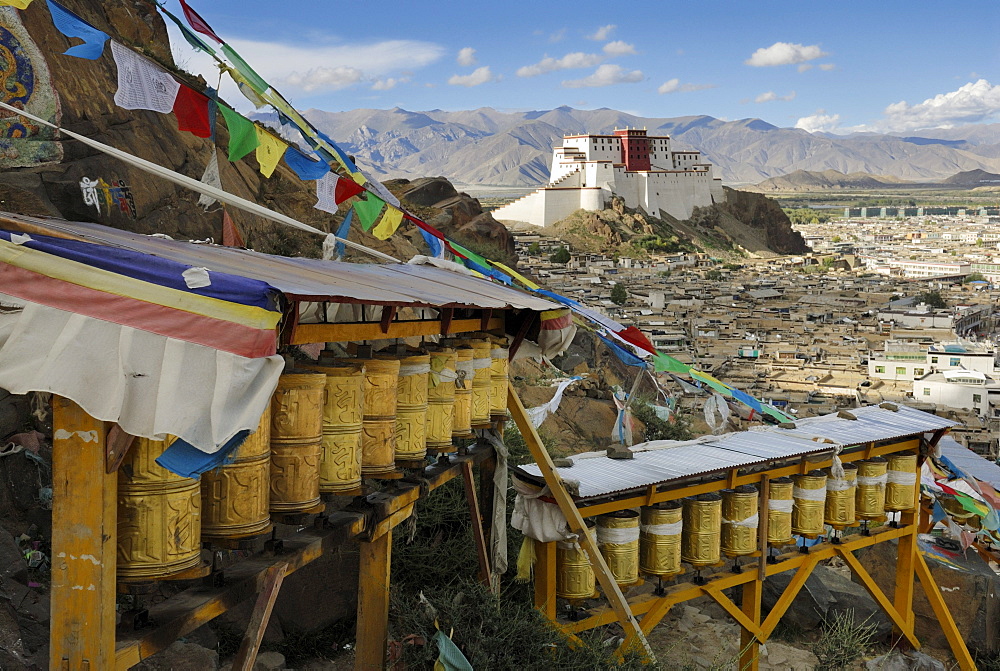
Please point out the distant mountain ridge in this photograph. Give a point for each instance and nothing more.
(805, 180)
(492, 147)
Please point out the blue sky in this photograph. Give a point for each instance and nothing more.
(876, 65)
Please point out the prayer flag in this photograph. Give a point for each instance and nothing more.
(71, 25)
(211, 177)
(230, 234)
(623, 354)
(472, 256)
(637, 338)
(715, 384)
(142, 84)
(516, 275)
(747, 400)
(191, 110)
(248, 73)
(343, 232)
(270, 149)
(20, 4)
(303, 166)
(389, 223)
(326, 188)
(198, 23)
(368, 210)
(192, 39)
(379, 189)
(431, 236)
(345, 189)
(664, 363)
(242, 134)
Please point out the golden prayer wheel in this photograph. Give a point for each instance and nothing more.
(870, 497)
(840, 494)
(618, 539)
(901, 480)
(739, 521)
(235, 496)
(660, 539)
(499, 378)
(809, 496)
(482, 383)
(378, 425)
(441, 398)
(465, 372)
(779, 512)
(340, 462)
(411, 407)
(296, 441)
(574, 572)
(159, 516)
(702, 533)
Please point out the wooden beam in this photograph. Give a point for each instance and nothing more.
(487, 501)
(388, 314)
(749, 642)
(246, 656)
(117, 446)
(312, 333)
(899, 619)
(947, 622)
(545, 578)
(765, 499)
(373, 603)
(447, 317)
(747, 623)
(786, 598)
(906, 555)
(478, 536)
(84, 520)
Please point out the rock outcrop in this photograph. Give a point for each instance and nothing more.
(765, 215)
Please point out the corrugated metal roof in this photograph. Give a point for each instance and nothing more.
(309, 279)
(970, 462)
(660, 462)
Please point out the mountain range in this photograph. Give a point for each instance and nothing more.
(486, 147)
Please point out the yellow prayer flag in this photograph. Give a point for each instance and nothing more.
(269, 151)
(389, 223)
(516, 275)
(359, 178)
(20, 4)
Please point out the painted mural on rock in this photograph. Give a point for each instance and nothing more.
(25, 83)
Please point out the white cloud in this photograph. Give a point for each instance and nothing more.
(388, 83)
(819, 122)
(558, 36)
(577, 59)
(771, 95)
(827, 66)
(605, 75)
(619, 48)
(805, 67)
(972, 103)
(324, 78)
(674, 86)
(602, 33)
(475, 78)
(467, 57)
(784, 53)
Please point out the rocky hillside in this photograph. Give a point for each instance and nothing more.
(804, 180)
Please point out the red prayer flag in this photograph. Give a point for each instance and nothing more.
(345, 189)
(230, 235)
(195, 21)
(191, 110)
(636, 337)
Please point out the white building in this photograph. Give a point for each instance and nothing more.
(904, 361)
(958, 389)
(588, 169)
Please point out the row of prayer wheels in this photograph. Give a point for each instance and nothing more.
(328, 426)
(699, 530)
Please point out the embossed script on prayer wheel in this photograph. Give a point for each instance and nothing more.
(378, 426)
(159, 516)
(481, 383)
(739, 521)
(840, 493)
(465, 372)
(340, 460)
(870, 498)
(779, 512)
(235, 496)
(296, 441)
(441, 398)
(660, 539)
(702, 531)
(411, 407)
(901, 480)
(574, 574)
(809, 496)
(499, 378)
(618, 539)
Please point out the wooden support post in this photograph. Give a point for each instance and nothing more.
(765, 504)
(478, 536)
(749, 642)
(84, 520)
(487, 500)
(545, 578)
(947, 622)
(373, 603)
(901, 624)
(785, 600)
(906, 553)
(613, 593)
(246, 656)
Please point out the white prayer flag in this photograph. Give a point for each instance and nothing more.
(380, 189)
(211, 177)
(326, 193)
(141, 83)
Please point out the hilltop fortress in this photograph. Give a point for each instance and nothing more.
(588, 169)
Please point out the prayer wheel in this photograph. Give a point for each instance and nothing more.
(840, 494)
(340, 462)
(411, 407)
(380, 389)
(702, 532)
(739, 521)
(574, 572)
(779, 512)
(482, 382)
(465, 373)
(441, 398)
(296, 441)
(660, 539)
(159, 516)
(618, 539)
(499, 378)
(235, 496)
(809, 496)
(870, 498)
(901, 480)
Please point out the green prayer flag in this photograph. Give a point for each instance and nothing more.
(971, 505)
(777, 414)
(472, 256)
(664, 363)
(711, 382)
(188, 34)
(368, 210)
(253, 79)
(242, 134)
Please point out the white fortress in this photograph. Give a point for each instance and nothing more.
(588, 169)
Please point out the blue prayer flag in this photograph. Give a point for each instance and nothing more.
(437, 249)
(188, 461)
(623, 355)
(747, 400)
(71, 25)
(303, 166)
(343, 232)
